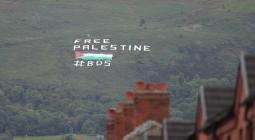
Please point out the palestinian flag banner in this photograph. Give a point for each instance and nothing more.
(92, 56)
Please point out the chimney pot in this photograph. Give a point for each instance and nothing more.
(111, 113)
(162, 87)
(140, 86)
(120, 107)
(150, 87)
(129, 97)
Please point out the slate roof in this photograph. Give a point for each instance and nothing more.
(218, 107)
(216, 101)
(178, 130)
(247, 66)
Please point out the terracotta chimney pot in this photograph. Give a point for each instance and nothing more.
(150, 87)
(162, 87)
(140, 86)
(111, 113)
(129, 97)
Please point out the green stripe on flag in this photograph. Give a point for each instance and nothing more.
(96, 58)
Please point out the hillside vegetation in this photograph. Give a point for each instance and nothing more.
(193, 42)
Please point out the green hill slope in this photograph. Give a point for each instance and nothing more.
(193, 42)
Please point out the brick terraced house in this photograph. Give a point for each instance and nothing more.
(222, 113)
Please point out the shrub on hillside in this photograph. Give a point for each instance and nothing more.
(5, 136)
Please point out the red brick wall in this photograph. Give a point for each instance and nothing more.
(150, 102)
(235, 128)
(119, 122)
(110, 131)
(110, 124)
(129, 118)
(251, 118)
(128, 112)
(151, 106)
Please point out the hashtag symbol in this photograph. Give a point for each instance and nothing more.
(78, 63)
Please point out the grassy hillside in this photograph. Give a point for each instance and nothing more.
(193, 42)
(36, 37)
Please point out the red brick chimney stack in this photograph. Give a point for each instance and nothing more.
(110, 124)
(128, 112)
(148, 102)
(119, 123)
(151, 102)
(111, 113)
(120, 107)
